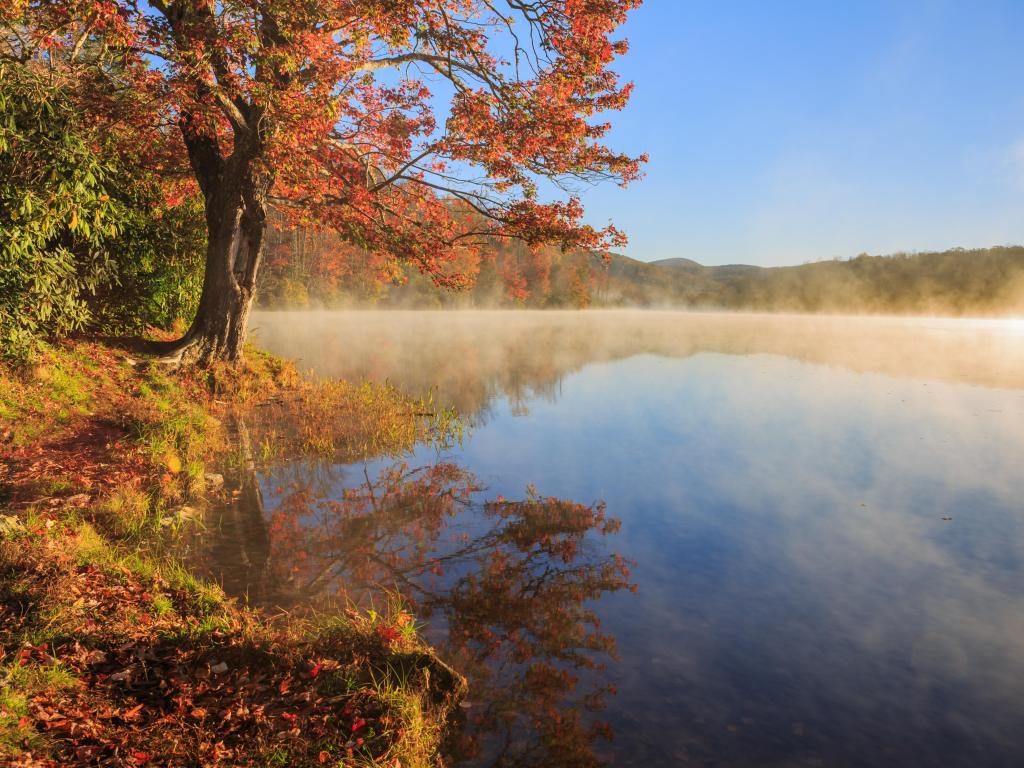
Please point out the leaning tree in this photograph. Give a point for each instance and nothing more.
(414, 128)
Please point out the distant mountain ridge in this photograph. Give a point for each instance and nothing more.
(724, 271)
(691, 265)
(957, 281)
(679, 263)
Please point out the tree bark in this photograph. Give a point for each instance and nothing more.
(235, 195)
(233, 256)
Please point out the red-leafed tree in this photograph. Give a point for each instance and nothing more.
(380, 118)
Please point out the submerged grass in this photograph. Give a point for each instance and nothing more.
(329, 417)
(112, 651)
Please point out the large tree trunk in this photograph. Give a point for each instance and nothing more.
(233, 256)
(236, 225)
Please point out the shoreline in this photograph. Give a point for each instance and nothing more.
(112, 652)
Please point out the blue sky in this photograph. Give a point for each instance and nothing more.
(786, 132)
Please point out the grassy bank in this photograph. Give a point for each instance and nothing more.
(111, 652)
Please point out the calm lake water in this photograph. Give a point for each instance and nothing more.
(822, 527)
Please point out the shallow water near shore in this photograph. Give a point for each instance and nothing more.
(822, 527)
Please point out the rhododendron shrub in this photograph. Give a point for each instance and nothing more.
(382, 120)
(90, 238)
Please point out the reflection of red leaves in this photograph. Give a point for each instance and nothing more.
(139, 693)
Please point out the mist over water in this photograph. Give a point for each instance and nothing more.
(826, 517)
(469, 357)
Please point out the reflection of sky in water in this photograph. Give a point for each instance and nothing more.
(802, 600)
(799, 589)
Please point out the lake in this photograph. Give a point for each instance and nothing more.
(684, 539)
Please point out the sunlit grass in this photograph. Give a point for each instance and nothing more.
(91, 553)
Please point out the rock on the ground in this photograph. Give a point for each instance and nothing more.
(10, 525)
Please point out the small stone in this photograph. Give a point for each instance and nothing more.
(213, 479)
(219, 669)
(180, 515)
(10, 525)
(186, 513)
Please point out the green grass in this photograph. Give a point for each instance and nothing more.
(37, 677)
(69, 386)
(128, 509)
(172, 426)
(14, 707)
(276, 758)
(91, 548)
(162, 605)
(18, 684)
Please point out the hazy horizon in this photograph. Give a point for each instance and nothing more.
(911, 251)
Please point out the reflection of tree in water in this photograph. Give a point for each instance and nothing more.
(506, 585)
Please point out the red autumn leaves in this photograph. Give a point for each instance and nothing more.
(414, 129)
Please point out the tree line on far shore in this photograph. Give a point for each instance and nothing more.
(307, 268)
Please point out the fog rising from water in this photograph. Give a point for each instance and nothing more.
(468, 357)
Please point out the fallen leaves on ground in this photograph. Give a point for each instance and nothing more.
(170, 689)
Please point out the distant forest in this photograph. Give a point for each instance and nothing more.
(310, 268)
